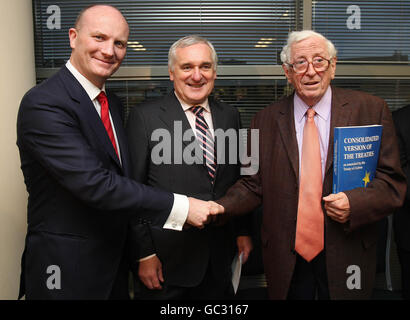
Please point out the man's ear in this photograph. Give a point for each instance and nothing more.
(72, 35)
(286, 70)
(171, 74)
(333, 67)
(215, 74)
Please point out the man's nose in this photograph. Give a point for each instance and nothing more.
(108, 49)
(310, 70)
(196, 75)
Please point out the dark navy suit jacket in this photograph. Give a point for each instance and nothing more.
(80, 198)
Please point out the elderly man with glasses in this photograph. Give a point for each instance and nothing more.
(314, 240)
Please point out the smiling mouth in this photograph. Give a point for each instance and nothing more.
(106, 62)
(194, 85)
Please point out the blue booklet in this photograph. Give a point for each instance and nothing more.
(356, 153)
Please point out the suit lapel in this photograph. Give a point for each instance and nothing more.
(172, 113)
(86, 108)
(122, 140)
(286, 121)
(340, 115)
(218, 121)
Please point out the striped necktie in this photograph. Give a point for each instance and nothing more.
(205, 140)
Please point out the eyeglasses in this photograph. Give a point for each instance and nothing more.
(320, 64)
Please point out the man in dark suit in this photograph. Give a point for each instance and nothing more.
(193, 264)
(75, 166)
(401, 218)
(344, 237)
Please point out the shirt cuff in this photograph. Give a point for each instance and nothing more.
(179, 213)
(147, 257)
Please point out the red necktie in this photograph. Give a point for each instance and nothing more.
(205, 140)
(105, 118)
(310, 222)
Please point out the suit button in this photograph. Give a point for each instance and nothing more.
(293, 251)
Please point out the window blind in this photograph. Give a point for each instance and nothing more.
(365, 30)
(243, 32)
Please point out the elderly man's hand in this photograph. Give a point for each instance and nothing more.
(245, 246)
(216, 208)
(337, 207)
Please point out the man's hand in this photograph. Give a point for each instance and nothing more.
(337, 207)
(150, 273)
(245, 245)
(200, 212)
(216, 208)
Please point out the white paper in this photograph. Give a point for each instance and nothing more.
(236, 271)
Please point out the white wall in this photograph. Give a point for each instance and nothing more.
(17, 75)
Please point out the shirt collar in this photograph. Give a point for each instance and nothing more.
(92, 90)
(186, 106)
(322, 108)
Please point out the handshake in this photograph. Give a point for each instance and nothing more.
(202, 212)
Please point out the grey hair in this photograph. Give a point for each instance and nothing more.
(187, 42)
(297, 36)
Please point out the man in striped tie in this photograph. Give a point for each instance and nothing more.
(195, 263)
